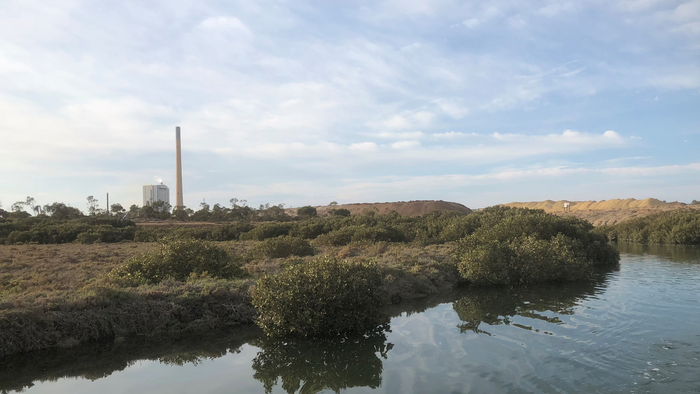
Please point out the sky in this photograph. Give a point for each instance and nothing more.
(308, 102)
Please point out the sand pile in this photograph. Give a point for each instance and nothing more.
(603, 205)
(403, 208)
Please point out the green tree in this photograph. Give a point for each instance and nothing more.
(116, 208)
(18, 207)
(203, 214)
(219, 213)
(61, 211)
(31, 203)
(147, 212)
(93, 207)
(307, 212)
(162, 207)
(182, 213)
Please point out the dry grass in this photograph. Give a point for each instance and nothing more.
(36, 274)
(59, 295)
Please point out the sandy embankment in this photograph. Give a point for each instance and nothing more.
(605, 211)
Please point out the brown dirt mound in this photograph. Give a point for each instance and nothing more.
(403, 208)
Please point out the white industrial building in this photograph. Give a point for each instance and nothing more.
(153, 193)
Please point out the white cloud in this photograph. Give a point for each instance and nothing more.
(678, 78)
(408, 119)
(411, 47)
(450, 135)
(453, 107)
(391, 188)
(557, 8)
(397, 122)
(471, 23)
(413, 135)
(405, 144)
(225, 23)
(567, 137)
(81, 87)
(640, 5)
(364, 146)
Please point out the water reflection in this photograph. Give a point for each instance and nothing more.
(677, 253)
(99, 360)
(313, 366)
(496, 306)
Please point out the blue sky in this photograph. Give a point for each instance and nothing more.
(307, 102)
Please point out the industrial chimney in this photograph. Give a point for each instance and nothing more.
(178, 188)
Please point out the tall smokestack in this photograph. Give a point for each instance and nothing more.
(178, 189)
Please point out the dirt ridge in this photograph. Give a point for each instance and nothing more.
(605, 212)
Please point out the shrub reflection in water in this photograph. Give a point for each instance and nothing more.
(496, 306)
(311, 366)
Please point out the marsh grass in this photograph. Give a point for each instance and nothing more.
(61, 295)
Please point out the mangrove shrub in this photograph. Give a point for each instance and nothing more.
(519, 246)
(673, 227)
(178, 260)
(283, 247)
(322, 297)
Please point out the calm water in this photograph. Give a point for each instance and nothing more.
(633, 329)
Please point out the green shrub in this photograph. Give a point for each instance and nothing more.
(284, 246)
(342, 212)
(518, 246)
(88, 237)
(51, 231)
(525, 260)
(267, 230)
(363, 233)
(339, 237)
(310, 229)
(178, 260)
(680, 227)
(322, 297)
(230, 232)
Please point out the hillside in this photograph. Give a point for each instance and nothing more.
(403, 208)
(604, 211)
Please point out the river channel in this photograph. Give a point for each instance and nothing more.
(633, 329)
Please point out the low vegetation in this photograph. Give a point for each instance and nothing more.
(178, 260)
(317, 276)
(324, 296)
(521, 246)
(283, 246)
(61, 295)
(681, 227)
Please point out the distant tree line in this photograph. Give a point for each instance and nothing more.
(161, 210)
